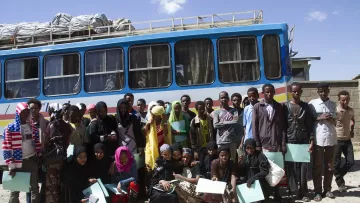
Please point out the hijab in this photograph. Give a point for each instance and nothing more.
(124, 120)
(151, 104)
(119, 166)
(211, 145)
(251, 160)
(100, 167)
(172, 117)
(176, 147)
(100, 105)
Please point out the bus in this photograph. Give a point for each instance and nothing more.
(199, 59)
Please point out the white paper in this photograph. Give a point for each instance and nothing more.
(209, 186)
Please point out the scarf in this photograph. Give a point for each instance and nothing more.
(124, 120)
(119, 166)
(148, 115)
(172, 116)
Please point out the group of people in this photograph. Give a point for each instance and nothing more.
(168, 148)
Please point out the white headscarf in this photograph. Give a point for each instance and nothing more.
(151, 104)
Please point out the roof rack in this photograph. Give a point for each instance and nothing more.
(147, 27)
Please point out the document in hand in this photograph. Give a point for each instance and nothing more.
(297, 153)
(252, 194)
(20, 182)
(209, 186)
(276, 157)
(95, 191)
(70, 150)
(113, 188)
(178, 126)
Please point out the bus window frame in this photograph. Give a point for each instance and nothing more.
(214, 58)
(150, 68)
(66, 76)
(109, 72)
(279, 51)
(21, 80)
(235, 62)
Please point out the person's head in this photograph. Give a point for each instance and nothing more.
(323, 90)
(122, 108)
(177, 108)
(82, 108)
(101, 110)
(161, 103)
(123, 159)
(236, 100)
(65, 108)
(165, 152)
(56, 111)
(250, 146)
(23, 110)
(344, 98)
(99, 150)
(167, 107)
(35, 107)
(246, 101)
(187, 156)
(185, 101)
(224, 154)
(208, 104)
(80, 154)
(212, 148)
(224, 99)
(177, 151)
(91, 108)
(200, 108)
(74, 114)
(141, 104)
(157, 112)
(253, 95)
(296, 91)
(130, 98)
(269, 92)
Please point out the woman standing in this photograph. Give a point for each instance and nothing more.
(176, 115)
(103, 130)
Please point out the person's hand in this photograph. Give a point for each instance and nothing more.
(241, 158)
(92, 180)
(249, 183)
(311, 147)
(284, 149)
(165, 185)
(232, 192)
(177, 176)
(84, 200)
(12, 172)
(112, 168)
(214, 178)
(352, 134)
(118, 188)
(324, 116)
(241, 146)
(194, 163)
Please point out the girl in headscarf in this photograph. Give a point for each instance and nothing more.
(176, 115)
(163, 173)
(100, 166)
(57, 135)
(91, 108)
(156, 135)
(223, 169)
(177, 152)
(126, 172)
(75, 177)
(103, 130)
(212, 155)
(254, 166)
(189, 178)
(129, 128)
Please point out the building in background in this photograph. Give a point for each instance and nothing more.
(301, 68)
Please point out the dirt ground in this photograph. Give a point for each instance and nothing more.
(351, 196)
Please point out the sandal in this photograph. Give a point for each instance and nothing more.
(317, 198)
(329, 195)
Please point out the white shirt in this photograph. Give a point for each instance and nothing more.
(325, 132)
(270, 110)
(27, 143)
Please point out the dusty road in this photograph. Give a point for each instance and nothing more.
(351, 196)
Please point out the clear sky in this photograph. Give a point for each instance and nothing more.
(326, 28)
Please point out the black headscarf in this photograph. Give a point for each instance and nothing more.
(100, 105)
(252, 160)
(124, 120)
(176, 147)
(211, 145)
(100, 168)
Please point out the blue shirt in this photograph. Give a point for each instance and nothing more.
(247, 121)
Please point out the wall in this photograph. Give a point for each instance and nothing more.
(352, 86)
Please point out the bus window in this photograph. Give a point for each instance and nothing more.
(149, 66)
(194, 62)
(22, 78)
(271, 52)
(104, 70)
(238, 60)
(62, 74)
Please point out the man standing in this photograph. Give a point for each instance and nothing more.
(253, 97)
(323, 110)
(21, 149)
(345, 131)
(185, 102)
(236, 100)
(269, 126)
(225, 121)
(299, 131)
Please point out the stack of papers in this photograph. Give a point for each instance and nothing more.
(297, 153)
(209, 186)
(252, 194)
(20, 182)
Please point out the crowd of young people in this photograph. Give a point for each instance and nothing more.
(115, 147)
